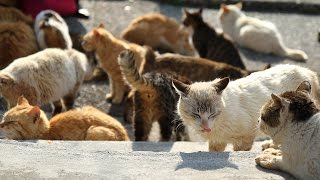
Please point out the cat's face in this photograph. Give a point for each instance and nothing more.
(90, 40)
(191, 19)
(229, 11)
(280, 112)
(20, 122)
(200, 103)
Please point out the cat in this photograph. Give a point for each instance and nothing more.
(292, 120)
(258, 35)
(159, 32)
(107, 48)
(209, 43)
(52, 31)
(24, 122)
(17, 40)
(11, 14)
(227, 112)
(154, 100)
(46, 77)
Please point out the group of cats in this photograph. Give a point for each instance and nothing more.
(212, 94)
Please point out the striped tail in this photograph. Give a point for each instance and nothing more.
(129, 70)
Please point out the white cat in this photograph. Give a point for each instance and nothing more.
(51, 30)
(45, 77)
(259, 35)
(293, 121)
(224, 112)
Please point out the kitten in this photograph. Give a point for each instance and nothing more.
(52, 31)
(258, 35)
(107, 48)
(24, 122)
(17, 40)
(159, 32)
(292, 120)
(224, 112)
(154, 99)
(11, 14)
(209, 43)
(45, 77)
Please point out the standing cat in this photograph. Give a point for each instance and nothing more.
(224, 112)
(293, 121)
(209, 43)
(24, 122)
(52, 31)
(159, 32)
(261, 36)
(45, 77)
(107, 48)
(154, 100)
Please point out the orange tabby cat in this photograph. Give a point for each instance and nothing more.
(11, 14)
(159, 32)
(24, 122)
(107, 48)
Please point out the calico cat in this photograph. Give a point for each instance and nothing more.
(209, 43)
(17, 40)
(258, 35)
(292, 120)
(24, 122)
(52, 31)
(154, 99)
(45, 77)
(227, 112)
(11, 14)
(159, 32)
(107, 48)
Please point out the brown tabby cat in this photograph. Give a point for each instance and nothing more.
(11, 14)
(209, 43)
(107, 48)
(24, 122)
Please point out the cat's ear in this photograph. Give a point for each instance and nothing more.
(239, 5)
(305, 87)
(5, 80)
(34, 113)
(279, 101)
(200, 11)
(101, 25)
(276, 99)
(96, 33)
(224, 8)
(221, 84)
(22, 101)
(185, 11)
(181, 88)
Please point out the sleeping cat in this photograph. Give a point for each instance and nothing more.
(292, 120)
(259, 35)
(24, 122)
(17, 40)
(159, 32)
(209, 43)
(224, 112)
(52, 31)
(107, 48)
(154, 99)
(45, 77)
(11, 14)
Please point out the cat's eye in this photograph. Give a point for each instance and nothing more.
(212, 115)
(195, 115)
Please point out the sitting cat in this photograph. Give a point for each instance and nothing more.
(261, 36)
(107, 48)
(224, 112)
(292, 120)
(209, 43)
(154, 99)
(159, 32)
(52, 31)
(45, 77)
(17, 40)
(24, 122)
(11, 14)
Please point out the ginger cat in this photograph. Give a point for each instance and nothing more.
(292, 120)
(24, 122)
(159, 32)
(11, 14)
(107, 48)
(46, 77)
(52, 31)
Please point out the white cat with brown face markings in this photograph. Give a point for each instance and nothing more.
(293, 121)
(224, 112)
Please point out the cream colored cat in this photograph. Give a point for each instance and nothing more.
(293, 121)
(224, 112)
(45, 77)
(24, 122)
(261, 36)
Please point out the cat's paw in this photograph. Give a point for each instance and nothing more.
(269, 144)
(272, 151)
(266, 160)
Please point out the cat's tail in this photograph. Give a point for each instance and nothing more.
(294, 54)
(129, 70)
